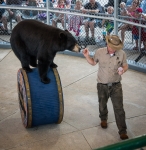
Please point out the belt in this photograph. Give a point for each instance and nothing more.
(110, 84)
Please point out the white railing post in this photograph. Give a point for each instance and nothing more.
(116, 4)
(48, 13)
(139, 41)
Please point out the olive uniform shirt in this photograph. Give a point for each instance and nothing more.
(108, 65)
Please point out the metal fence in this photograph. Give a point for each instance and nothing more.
(74, 20)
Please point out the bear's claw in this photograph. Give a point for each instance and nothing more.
(46, 80)
(53, 65)
(27, 69)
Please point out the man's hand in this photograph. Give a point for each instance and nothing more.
(85, 52)
(88, 58)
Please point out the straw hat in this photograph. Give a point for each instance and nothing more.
(114, 42)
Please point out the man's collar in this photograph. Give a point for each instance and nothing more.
(115, 53)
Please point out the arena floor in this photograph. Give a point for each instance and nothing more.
(80, 128)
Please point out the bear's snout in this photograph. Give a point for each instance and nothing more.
(76, 48)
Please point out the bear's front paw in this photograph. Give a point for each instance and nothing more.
(45, 80)
(53, 65)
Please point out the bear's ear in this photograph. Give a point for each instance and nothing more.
(62, 35)
(66, 30)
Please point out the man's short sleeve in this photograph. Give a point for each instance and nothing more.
(96, 55)
(124, 59)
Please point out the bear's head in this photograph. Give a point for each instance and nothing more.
(70, 42)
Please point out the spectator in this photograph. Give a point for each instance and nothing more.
(135, 29)
(123, 10)
(11, 13)
(42, 16)
(59, 17)
(75, 21)
(1, 13)
(2, 10)
(111, 3)
(67, 3)
(91, 7)
(109, 24)
(30, 14)
(143, 6)
(42, 4)
(129, 2)
(112, 64)
(130, 12)
(143, 37)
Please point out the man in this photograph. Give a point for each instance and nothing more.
(112, 64)
(92, 7)
(11, 13)
(111, 3)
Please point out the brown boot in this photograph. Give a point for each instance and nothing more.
(124, 136)
(103, 124)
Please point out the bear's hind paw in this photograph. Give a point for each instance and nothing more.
(53, 65)
(27, 69)
(45, 81)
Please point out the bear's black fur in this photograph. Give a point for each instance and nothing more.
(32, 40)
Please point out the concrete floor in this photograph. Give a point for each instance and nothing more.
(80, 128)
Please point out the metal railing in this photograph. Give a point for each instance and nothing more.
(130, 144)
(136, 59)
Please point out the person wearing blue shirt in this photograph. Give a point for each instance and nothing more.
(1, 13)
(92, 7)
(143, 6)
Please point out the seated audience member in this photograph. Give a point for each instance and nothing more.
(66, 2)
(129, 13)
(41, 3)
(2, 10)
(143, 6)
(75, 21)
(129, 2)
(59, 17)
(30, 14)
(111, 3)
(109, 24)
(143, 32)
(135, 29)
(123, 9)
(1, 13)
(42, 16)
(11, 13)
(91, 7)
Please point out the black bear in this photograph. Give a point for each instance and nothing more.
(35, 42)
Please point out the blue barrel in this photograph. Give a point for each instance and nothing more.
(40, 103)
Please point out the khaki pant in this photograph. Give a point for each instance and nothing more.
(116, 94)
